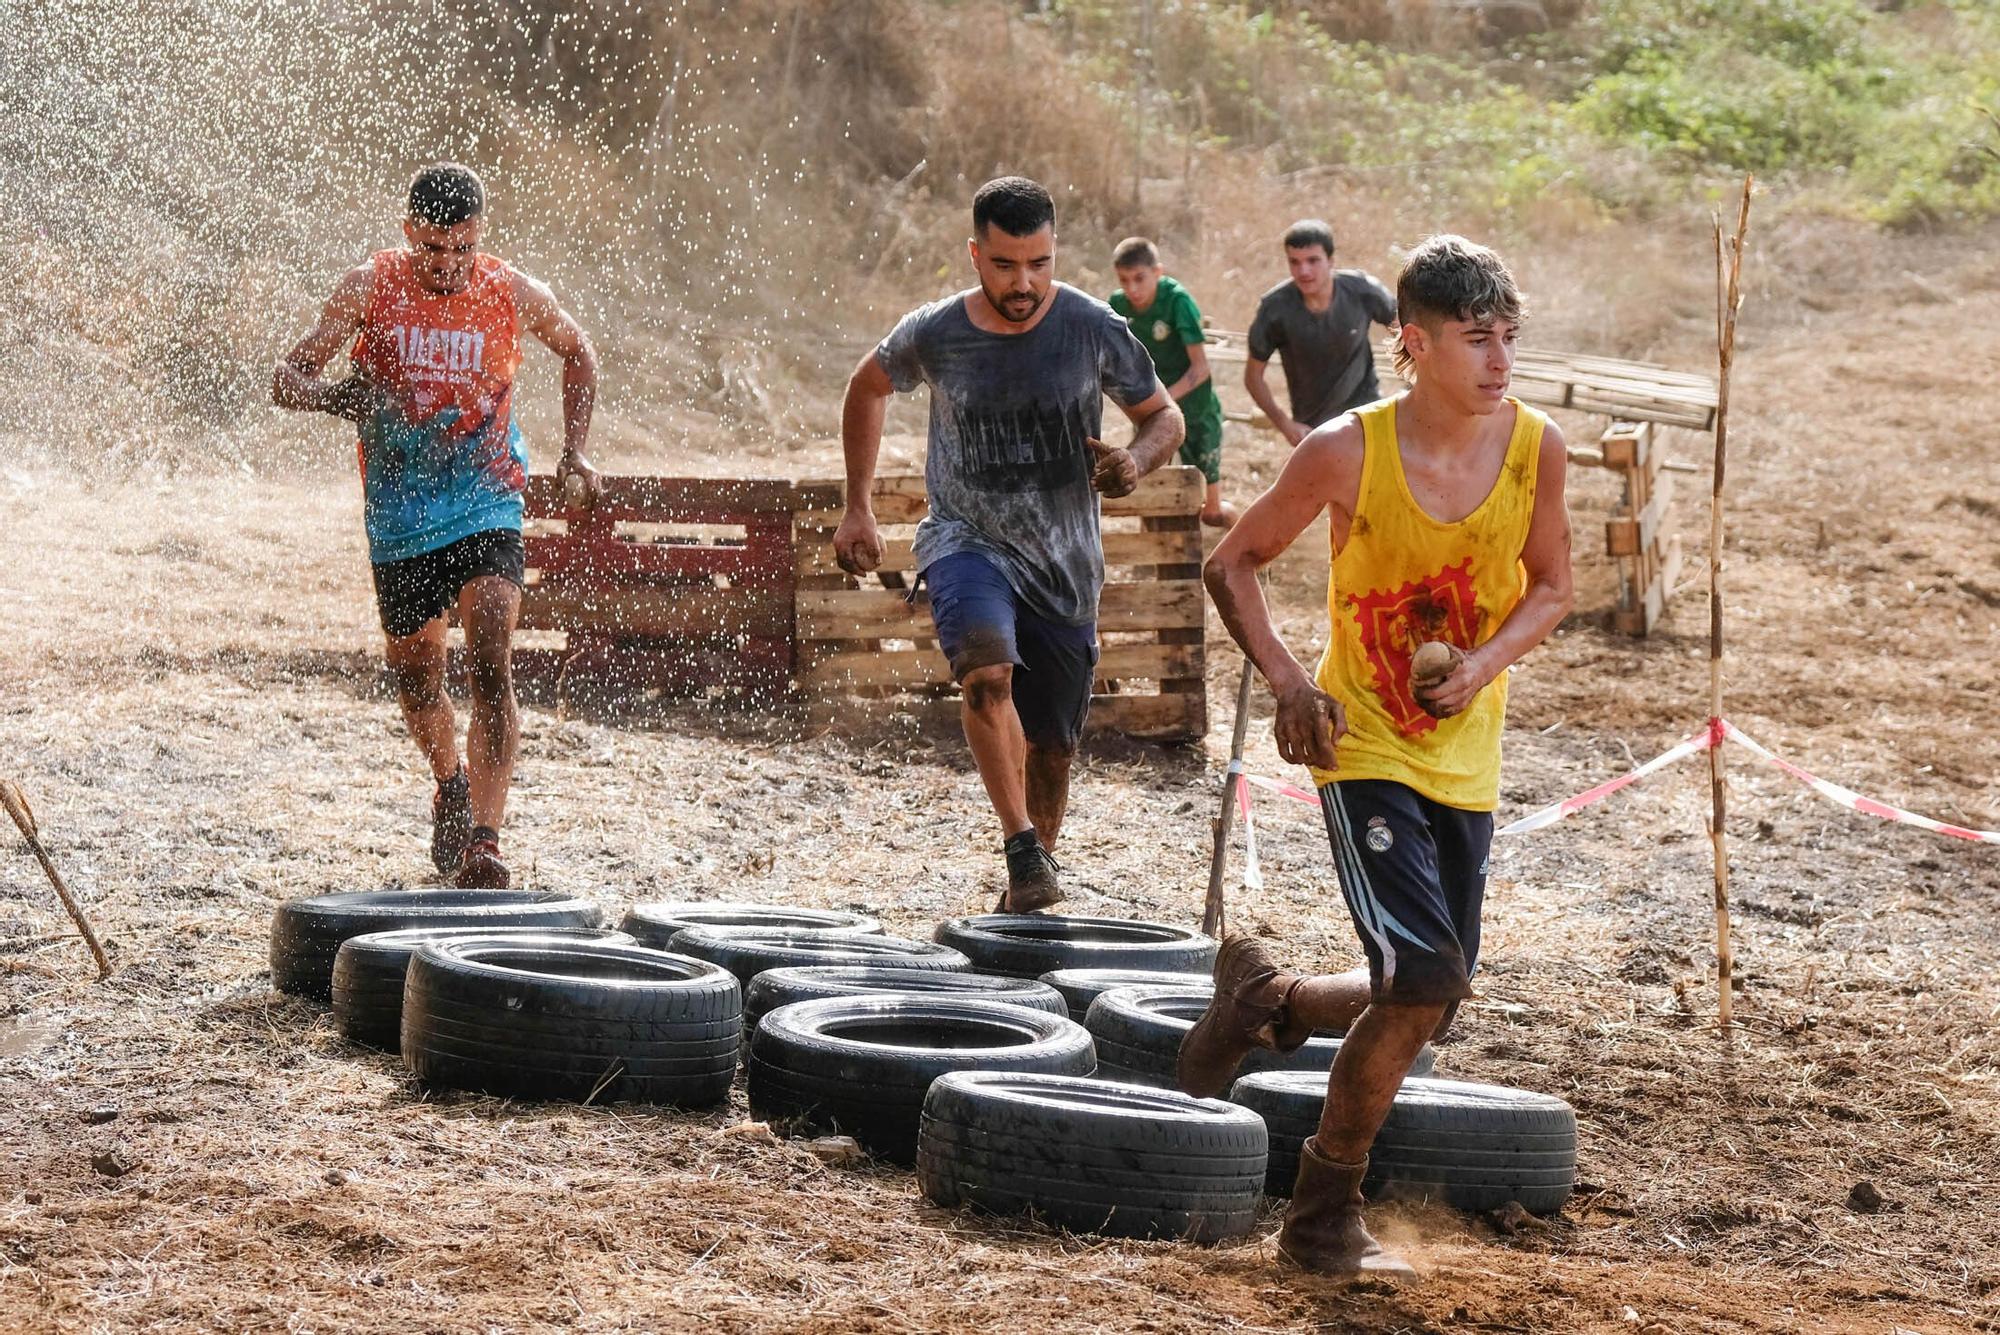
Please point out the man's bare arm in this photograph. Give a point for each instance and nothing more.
(296, 383)
(857, 543)
(1197, 373)
(544, 317)
(1267, 402)
(1323, 473)
(1157, 431)
(1550, 594)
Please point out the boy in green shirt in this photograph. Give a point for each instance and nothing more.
(1168, 323)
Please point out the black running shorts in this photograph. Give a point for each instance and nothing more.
(412, 592)
(1413, 872)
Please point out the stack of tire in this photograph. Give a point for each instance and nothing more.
(515, 993)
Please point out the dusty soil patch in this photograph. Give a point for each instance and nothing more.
(188, 690)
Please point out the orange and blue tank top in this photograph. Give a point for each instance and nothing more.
(442, 458)
(1404, 577)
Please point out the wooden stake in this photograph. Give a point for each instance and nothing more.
(1212, 923)
(17, 806)
(1729, 299)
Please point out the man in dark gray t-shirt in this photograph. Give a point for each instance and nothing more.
(1018, 370)
(1316, 323)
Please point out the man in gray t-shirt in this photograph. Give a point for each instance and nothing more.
(1018, 369)
(1317, 323)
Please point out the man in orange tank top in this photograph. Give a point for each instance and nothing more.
(433, 333)
(1449, 529)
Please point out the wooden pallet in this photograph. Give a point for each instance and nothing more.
(866, 639)
(1628, 391)
(673, 585)
(1639, 536)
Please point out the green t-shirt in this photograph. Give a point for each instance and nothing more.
(1167, 328)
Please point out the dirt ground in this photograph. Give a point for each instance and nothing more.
(188, 691)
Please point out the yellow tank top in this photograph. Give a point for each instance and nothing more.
(1403, 578)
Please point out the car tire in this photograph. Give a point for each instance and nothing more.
(1080, 987)
(571, 1020)
(747, 954)
(306, 933)
(862, 1065)
(781, 987)
(1473, 1146)
(1091, 1157)
(1138, 1032)
(369, 970)
(655, 924)
(1028, 945)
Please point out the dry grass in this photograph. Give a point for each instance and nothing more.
(190, 697)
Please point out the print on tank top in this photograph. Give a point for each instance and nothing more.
(1391, 623)
(441, 459)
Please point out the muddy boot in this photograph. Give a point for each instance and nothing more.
(1323, 1231)
(480, 867)
(1247, 1011)
(1031, 876)
(451, 822)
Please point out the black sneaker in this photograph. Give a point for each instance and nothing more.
(451, 822)
(1031, 876)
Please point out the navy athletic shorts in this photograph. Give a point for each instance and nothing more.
(410, 593)
(1413, 872)
(981, 621)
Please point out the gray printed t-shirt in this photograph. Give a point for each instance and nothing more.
(1008, 471)
(1328, 358)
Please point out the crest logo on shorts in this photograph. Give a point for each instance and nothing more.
(1380, 838)
(1160, 331)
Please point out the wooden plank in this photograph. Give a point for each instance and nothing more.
(610, 670)
(1631, 537)
(899, 497)
(846, 614)
(1626, 444)
(927, 667)
(639, 611)
(585, 562)
(685, 500)
(1155, 717)
(815, 555)
(1645, 615)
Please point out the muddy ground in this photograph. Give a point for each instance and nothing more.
(188, 691)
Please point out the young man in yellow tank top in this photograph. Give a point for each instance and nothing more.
(1448, 527)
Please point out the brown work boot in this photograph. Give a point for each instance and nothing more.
(1248, 1010)
(1031, 876)
(480, 867)
(1323, 1229)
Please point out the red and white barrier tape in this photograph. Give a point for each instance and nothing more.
(1854, 801)
(1714, 734)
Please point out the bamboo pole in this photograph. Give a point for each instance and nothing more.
(16, 803)
(1729, 299)
(1212, 923)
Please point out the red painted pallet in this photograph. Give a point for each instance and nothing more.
(676, 586)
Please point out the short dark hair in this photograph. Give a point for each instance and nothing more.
(445, 194)
(1014, 204)
(1309, 232)
(1135, 252)
(1450, 278)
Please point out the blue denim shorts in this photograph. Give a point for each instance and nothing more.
(981, 622)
